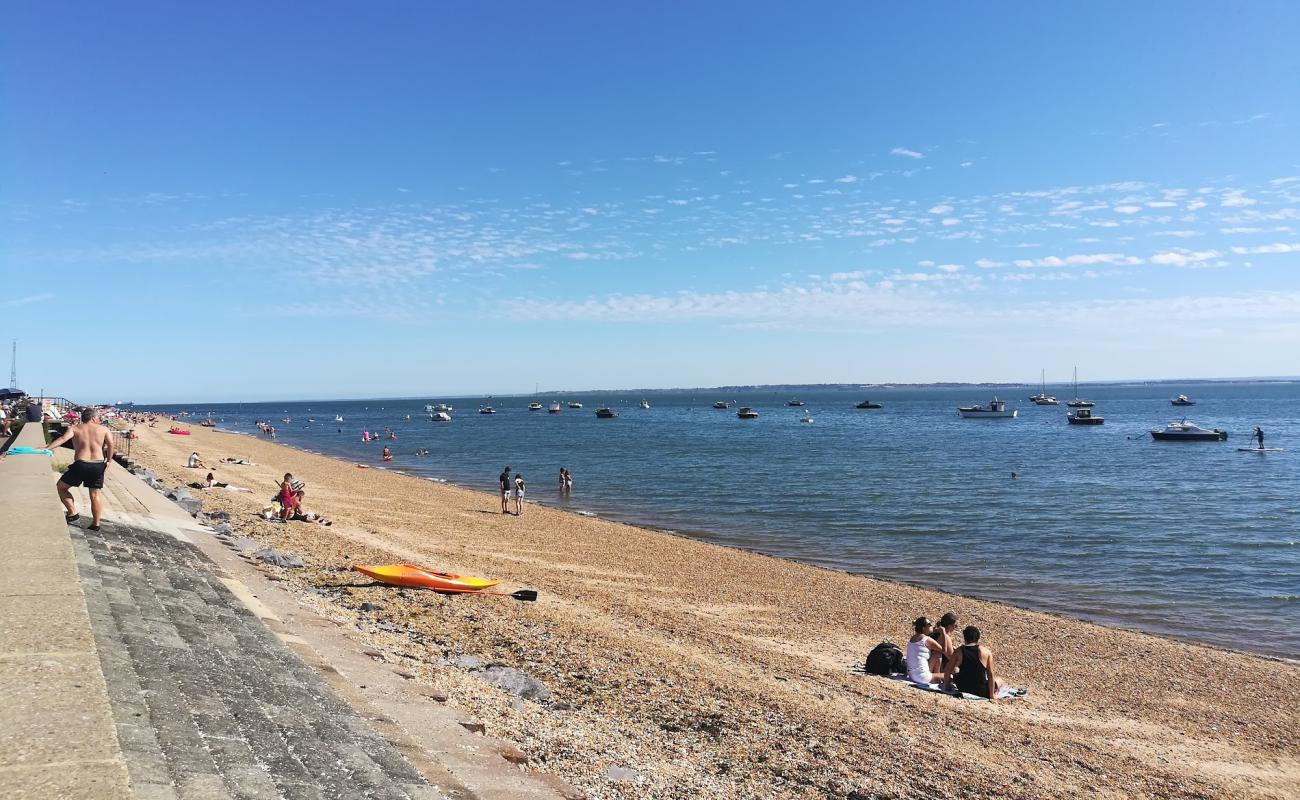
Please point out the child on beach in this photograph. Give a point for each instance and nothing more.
(519, 494)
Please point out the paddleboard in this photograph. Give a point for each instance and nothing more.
(1259, 449)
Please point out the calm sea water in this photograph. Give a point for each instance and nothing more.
(1191, 539)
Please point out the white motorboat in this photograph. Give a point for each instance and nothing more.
(996, 409)
(440, 416)
(1084, 416)
(575, 404)
(645, 403)
(1182, 400)
(722, 404)
(1185, 431)
(806, 417)
(486, 410)
(534, 406)
(746, 412)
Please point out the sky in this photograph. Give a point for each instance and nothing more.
(245, 201)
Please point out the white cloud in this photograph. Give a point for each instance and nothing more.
(847, 179)
(903, 151)
(950, 268)
(1127, 209)
(967, 164)
(985, 263)
(951, 221)
(28, 300)
(941, 209)
(1079, 260)
(1184, 258)
(1236, 199)
(1278, 247)
(1179, 234)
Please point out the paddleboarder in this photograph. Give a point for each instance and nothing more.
(1259, 436)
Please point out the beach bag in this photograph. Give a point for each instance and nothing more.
(885, 659)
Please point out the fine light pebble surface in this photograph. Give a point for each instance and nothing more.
(680, 669)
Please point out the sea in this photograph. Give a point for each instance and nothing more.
(1192, 540)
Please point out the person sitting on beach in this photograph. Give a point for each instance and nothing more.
(195, 462)
(971, 668)
(241, 461)
(519, 494)
(311, 516)
(504, 484)
(920, 653)
(945, 633)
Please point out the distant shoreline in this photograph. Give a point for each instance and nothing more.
(794, 388)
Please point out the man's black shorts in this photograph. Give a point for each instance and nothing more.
(88, 473)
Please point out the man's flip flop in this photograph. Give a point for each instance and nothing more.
(71, 517)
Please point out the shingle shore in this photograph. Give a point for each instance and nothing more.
(684, 669)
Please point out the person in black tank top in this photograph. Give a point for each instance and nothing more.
(971, 668)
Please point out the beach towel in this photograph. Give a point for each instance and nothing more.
(1005, 693)
(28, 451)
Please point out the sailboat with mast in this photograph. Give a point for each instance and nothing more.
(1043, 398)
(1079, 402)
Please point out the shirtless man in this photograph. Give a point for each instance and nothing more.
(93, 444)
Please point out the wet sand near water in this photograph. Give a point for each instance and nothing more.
(681, 669)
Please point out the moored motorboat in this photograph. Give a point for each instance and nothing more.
(554, 409)
(645, 403)
(746, 412)
(440, 416)
(1185, 431)
(534, 406)
(575, 404)
(1084, 416)
(796, 403)
(722, 404)
(1182, 400)
(806, 417)
(1046, 400)
(486, 410)
(418, 577)
(604, 412)
(996, 409)
(868, 404)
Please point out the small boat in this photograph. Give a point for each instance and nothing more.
(575, 404)
(996, 409)
(806, 417)
(1185, 431)
(746, 412)
(338, 417)
(440, 416)
(645, 403)
(1077, 402)
(606, 413)
(868, 404)
(795, 403)
(534, 406)
(486, 410)
(1043, 398)
(554, 409)
(722, 404)
(1181, 400)
(208, 423)
(420, 578)
(1084, 416)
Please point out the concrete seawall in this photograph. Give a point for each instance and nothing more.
(57, 737)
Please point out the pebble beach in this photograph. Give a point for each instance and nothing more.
(676, 668)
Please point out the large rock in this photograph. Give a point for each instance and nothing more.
(272, 556)
(223, 529)
(520, 684)
(192, 505)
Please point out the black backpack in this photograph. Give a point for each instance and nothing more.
(885, 659)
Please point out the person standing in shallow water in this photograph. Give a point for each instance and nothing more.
(504, 484)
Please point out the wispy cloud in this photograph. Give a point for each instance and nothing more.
(906, 153)
(1277, 247)
(27, 300)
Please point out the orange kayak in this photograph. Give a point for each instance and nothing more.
(418, 577)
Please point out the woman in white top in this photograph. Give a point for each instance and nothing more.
(920, 649)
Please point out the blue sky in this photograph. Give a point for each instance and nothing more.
(326, 200)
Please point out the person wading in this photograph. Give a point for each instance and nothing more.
(93, 445)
